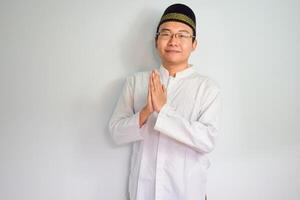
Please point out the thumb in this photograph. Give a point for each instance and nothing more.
(149, 93)
(164, 88)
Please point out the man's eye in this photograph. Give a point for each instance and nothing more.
(182, 35)
(165, 34)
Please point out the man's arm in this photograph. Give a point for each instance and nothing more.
(200, 134)
(124, 123)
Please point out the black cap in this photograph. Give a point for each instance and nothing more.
(179, 13)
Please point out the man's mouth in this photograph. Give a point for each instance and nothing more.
(172, 51)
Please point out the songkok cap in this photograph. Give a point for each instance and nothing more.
(179, 13)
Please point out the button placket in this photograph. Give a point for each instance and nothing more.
(160, 168)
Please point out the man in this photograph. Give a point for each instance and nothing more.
(170, 115)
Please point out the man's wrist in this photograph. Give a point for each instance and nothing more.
(159, 109)
(146, 111)
(144, 114)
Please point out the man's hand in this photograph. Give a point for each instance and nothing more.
(157, 97)
(158, 91)
(148, 109)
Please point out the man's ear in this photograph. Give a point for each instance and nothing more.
(195, 43)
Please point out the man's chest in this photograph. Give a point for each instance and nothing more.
(181, 95)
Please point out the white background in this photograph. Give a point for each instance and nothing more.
(62, 66)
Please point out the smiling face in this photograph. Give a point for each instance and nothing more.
(175, 50)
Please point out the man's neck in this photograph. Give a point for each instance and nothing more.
(173, 68)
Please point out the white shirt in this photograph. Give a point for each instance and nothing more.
(169, 160)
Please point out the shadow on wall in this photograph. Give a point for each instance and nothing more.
(114, 90)
(137, 50)
(138, 53)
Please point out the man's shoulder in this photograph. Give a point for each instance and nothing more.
(206, 81)
(138, 76)
(141, 74)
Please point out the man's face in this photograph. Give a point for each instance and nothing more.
(175, 49)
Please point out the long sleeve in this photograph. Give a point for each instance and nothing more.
(200, 134)
(124, 123)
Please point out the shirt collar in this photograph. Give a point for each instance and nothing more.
(179, 75)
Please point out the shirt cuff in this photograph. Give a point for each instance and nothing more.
(161, 121)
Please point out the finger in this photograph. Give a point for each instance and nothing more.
(150, 105)
(156, 73)
(163, 88)
(149, 94)
(149, 81)
(158, 79)
(152, 86)
(153, 82)
(157, 82)
(149, 85)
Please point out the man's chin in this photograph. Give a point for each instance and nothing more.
(172, 61)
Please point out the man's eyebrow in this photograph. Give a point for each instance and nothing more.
(166, 29)
(184, 31)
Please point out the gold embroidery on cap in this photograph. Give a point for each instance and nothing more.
(179, 16)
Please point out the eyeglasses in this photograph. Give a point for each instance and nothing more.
(182, 36)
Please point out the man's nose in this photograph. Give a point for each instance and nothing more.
(173, 39)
